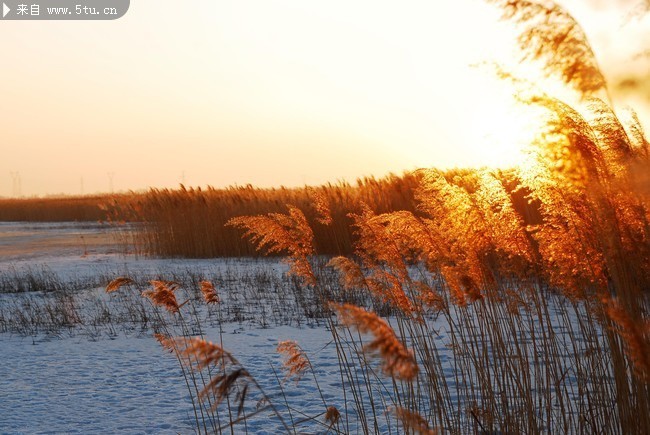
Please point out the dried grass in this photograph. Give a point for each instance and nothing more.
(117, 283)
(209, 292)
(295, 361)
(398, 361)
(163, 295)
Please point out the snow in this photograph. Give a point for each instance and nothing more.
(77, 386)
(83, 379)
(129, 385)
(90, 364)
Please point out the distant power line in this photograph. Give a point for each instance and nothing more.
(16, 185)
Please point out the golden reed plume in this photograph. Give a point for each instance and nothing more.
(163, 295)
(200, 354)
(321, 206)
(398, 362)
(277, 233)
(551, 35)
(351, 275)
(117, 283)
(332, 415)
(210, 295)
(295, 361)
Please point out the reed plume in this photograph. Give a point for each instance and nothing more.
(430, 297)
(295, 361)
(332, 415)
(375, 244)
(398, 362)
(204, 353)
(454, 219)
(166, 342)
(322, 206)
(278, 233)
(550, 34)
(163, 295)
(351, 275)
(210, 295)
(390, 288)
(117, 283)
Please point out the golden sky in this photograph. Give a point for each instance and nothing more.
(276, 92)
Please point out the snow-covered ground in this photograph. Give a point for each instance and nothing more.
(129, 385)
(78, 360)
(109, 377)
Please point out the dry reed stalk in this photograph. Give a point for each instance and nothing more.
(398, 361)
(332, 416)
(295, 361)
(190, 221)
(322, 207)
(57, 209)
(209, 292)
(163, 295)
(117, 283)
(413, 422)
(635, 335)
(204, 353)
(351, 274)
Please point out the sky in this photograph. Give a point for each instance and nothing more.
(283, 92)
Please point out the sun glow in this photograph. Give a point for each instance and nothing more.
(260, 92)
(498, 129)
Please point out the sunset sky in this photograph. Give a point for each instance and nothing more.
(287, 92)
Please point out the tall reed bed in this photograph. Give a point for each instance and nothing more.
(56, 209)
(190, 222)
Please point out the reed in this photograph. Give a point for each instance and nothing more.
(56, 208)
(190, 222)
(511, 301)
(507, 259)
